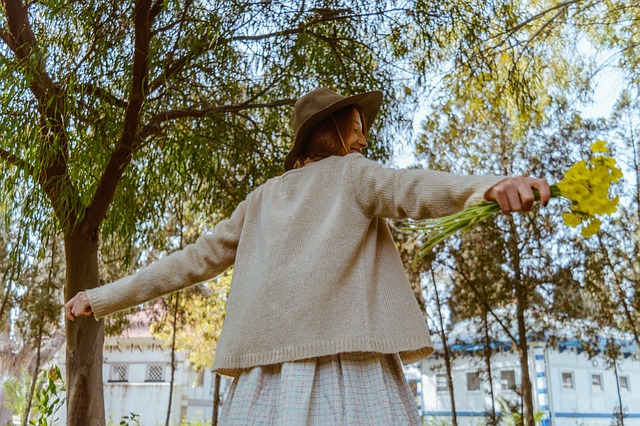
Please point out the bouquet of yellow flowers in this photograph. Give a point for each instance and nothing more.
(586, 184)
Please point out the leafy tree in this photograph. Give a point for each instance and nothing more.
(31, 316)
(483, 121)
(109, 108)
(618, 245)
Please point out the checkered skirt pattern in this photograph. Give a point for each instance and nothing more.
(341, 389)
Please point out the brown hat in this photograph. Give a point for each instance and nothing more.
(316, 105)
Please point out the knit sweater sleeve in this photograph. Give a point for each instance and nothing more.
(416, 194)
(210, 255)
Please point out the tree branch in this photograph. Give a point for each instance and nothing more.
(103, 94)
(155, 123)
(17, 161)
(6, 37)
(123, 153)
(22, 42)
(53, 176)
(179, 63)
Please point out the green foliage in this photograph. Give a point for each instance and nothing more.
(511, 412)
(130, 419)
(47, 398)
(16, 393)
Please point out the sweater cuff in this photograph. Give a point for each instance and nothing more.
(99, 297)
(481, 187)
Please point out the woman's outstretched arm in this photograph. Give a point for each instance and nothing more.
(210, 255)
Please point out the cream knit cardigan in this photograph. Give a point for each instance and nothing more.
(316, 270)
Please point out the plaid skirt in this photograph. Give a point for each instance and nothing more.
(341, 389)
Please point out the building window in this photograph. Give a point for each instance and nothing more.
(473, 381)
(567, 380)
(624, 382)
(119, 373)
(508, 380)
(155, 373)
(596, 382)
(441, 383)
(200, 376)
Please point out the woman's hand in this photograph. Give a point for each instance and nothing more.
(515, 194)
(78, 306)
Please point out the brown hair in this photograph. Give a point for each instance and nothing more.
(324, 140)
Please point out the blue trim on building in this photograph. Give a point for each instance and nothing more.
(539, 357)
(574, 415)
(597, 415)
(544, 408)
(541, 374)
(542, 391)
(459, 413)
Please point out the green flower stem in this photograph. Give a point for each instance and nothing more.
(432, 232)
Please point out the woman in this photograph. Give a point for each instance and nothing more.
(320, 313)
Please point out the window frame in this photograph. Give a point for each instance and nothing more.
(121, 378)
(474, 374)
(563, 383)
(147, 376)
(503, 379)
(600, 386)
(441, 379)
(627, 386)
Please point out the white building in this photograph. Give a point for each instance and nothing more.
(569, 387)
(137, 375)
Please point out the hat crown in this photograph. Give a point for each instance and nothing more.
(318, 104)
(310, 104)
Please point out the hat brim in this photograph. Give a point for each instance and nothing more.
(368, 104)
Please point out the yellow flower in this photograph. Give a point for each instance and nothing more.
(599, 146)
(592, 228)
(571, 219)
(588, 185)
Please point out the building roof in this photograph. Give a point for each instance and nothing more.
(468, 335)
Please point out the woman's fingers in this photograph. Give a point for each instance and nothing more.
(78, 306)
(515, 194)
(543, 189)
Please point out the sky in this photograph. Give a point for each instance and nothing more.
(609, 83)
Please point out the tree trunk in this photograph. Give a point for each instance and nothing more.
(487, 359)
(173, 355)
(620, 411)
(522, 302)
(447, 353)
(216, 399)
(527, 394)
(34, 379)
(85, 336)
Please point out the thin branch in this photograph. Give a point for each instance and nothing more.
(17, 161)
(101, 93)
(483, 300)
(6, 37)
(157, 7)
(154, 124)
(179, 63)
(524, 23)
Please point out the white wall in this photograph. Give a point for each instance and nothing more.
(593, 407)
